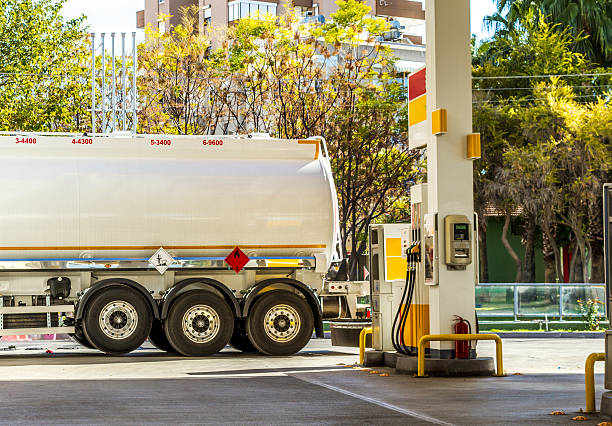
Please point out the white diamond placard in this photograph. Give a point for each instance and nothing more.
(161, 260)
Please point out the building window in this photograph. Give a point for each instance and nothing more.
(240, 9)
(207, 15)
(162, 1)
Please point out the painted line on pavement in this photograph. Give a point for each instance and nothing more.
(411, 413)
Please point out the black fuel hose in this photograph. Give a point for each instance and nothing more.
(397, 333)
(403, 346)
(394, 329)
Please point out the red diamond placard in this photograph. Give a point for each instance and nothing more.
(237, 259)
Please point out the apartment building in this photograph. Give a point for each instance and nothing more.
(222, 12)
(154, 8)
(407, 18)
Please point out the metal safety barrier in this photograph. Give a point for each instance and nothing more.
(563, 303)
(589, 380)
(459, 337)
(362, 343)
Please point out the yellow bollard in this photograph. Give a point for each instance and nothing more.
(455, 337)
(362, 343)
(589, 380)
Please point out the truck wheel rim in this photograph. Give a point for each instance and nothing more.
(282, 323)
(201, 323)
(118, 319)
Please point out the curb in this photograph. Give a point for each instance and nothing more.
(533, 334)
(548, 334)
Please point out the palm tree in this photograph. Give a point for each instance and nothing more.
(589, 17)
(511, 14)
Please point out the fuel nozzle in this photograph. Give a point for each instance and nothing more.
(414, 252)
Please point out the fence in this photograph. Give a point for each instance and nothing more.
(523, 301)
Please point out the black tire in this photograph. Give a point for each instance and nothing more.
(158, 338)
(239, 339)
(130, 313)
(79, 337)
(289, 336)
(199, 323)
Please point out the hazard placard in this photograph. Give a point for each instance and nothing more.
(161, 260)
(237, 259)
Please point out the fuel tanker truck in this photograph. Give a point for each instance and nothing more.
(191, 241)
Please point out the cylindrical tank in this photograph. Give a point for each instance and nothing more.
(77, 196)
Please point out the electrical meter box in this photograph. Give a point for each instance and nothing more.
(457, 241)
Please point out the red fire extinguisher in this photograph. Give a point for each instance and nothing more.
(462, 348)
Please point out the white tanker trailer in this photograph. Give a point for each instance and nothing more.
(81, 218)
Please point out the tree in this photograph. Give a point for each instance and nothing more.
(43, 64)
(510, 16)
(180, 89)
(514, 115)
(372, 165)
(528, 173)
(537, 49)
(592, 19)
(495, 125)
(530, 178)
(555, 173)
(582, 155)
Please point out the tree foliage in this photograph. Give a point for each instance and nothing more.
(180, 89)
(557, 176)
(537, 49)
(589, 21)
(547, 148)
(43, 67)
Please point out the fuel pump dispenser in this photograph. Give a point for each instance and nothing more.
(438, 248)
(412, 315)
(400, 300)
(387, 280)
(405, 266)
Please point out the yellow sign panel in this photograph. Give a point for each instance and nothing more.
(396, 265)
(393, 247)
(417, 110)
(396, 268)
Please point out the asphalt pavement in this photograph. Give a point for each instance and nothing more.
(62, 383)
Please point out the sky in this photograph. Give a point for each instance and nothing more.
(120, 15)
(479, 9)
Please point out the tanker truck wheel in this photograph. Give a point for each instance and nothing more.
(239, 339)
(199, 323)
(280, 323)
(158, 338)
(117, 320)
